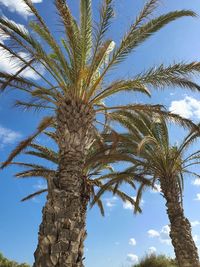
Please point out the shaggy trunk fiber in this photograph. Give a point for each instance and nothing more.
(62, 231)
(180, 232)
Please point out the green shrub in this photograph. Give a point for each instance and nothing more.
(156, 261)
(8, 263)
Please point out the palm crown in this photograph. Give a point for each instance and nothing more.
(78, 63)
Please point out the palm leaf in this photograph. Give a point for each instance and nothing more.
(46, 122)
(34, 195)
(86, 30)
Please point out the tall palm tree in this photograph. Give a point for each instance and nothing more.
(169, 164)
(156, 159)
(71, 91)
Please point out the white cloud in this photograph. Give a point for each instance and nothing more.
(153, 233)
(132, 258)
(8, 136)
(111, 202)
(128, 206)
(188, 107)
(162, 235)
(165, 230)
(11, 66)
(18, 6)
(197, 197)
(152, 250)
(195, 223)
(132, 241)
(196, 182)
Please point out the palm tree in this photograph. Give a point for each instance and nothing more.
(96, 170)
(157, 160)
(169, 164)
(71, 92)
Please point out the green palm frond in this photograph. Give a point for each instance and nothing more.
(54, 46)
(137, 36)
(72, 33)
(42, 172)
(33, 195)
(43, 152)
(86, 30)
(101, 49)
(106, 14)
(40, 105)
(45, 123)
(118, 86)
(173, 75)
(190, 139)
(148, 9)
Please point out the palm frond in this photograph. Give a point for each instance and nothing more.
(118, 86)
(46, 122)
(53, 44)
(172, 75)
(34, 173)
(86, 30)
(43, 152)
(106, 14)
(136, 36)
(40, 105)
(72, 33)
(148, 9)
(34, 195)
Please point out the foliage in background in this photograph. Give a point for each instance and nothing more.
(156, 261)
(8, 263)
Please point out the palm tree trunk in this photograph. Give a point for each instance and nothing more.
(180, 230)
(62, 231)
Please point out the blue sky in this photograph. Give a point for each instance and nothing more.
(120, 238)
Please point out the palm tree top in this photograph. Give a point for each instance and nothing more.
(79, 62)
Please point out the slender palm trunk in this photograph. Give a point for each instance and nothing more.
(62, 232)
(180, 232)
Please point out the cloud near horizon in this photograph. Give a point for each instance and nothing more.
(162, 235)
(152, 250)
(132, 258)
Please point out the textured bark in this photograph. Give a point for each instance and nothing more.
(180, 230)
(62, 231)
